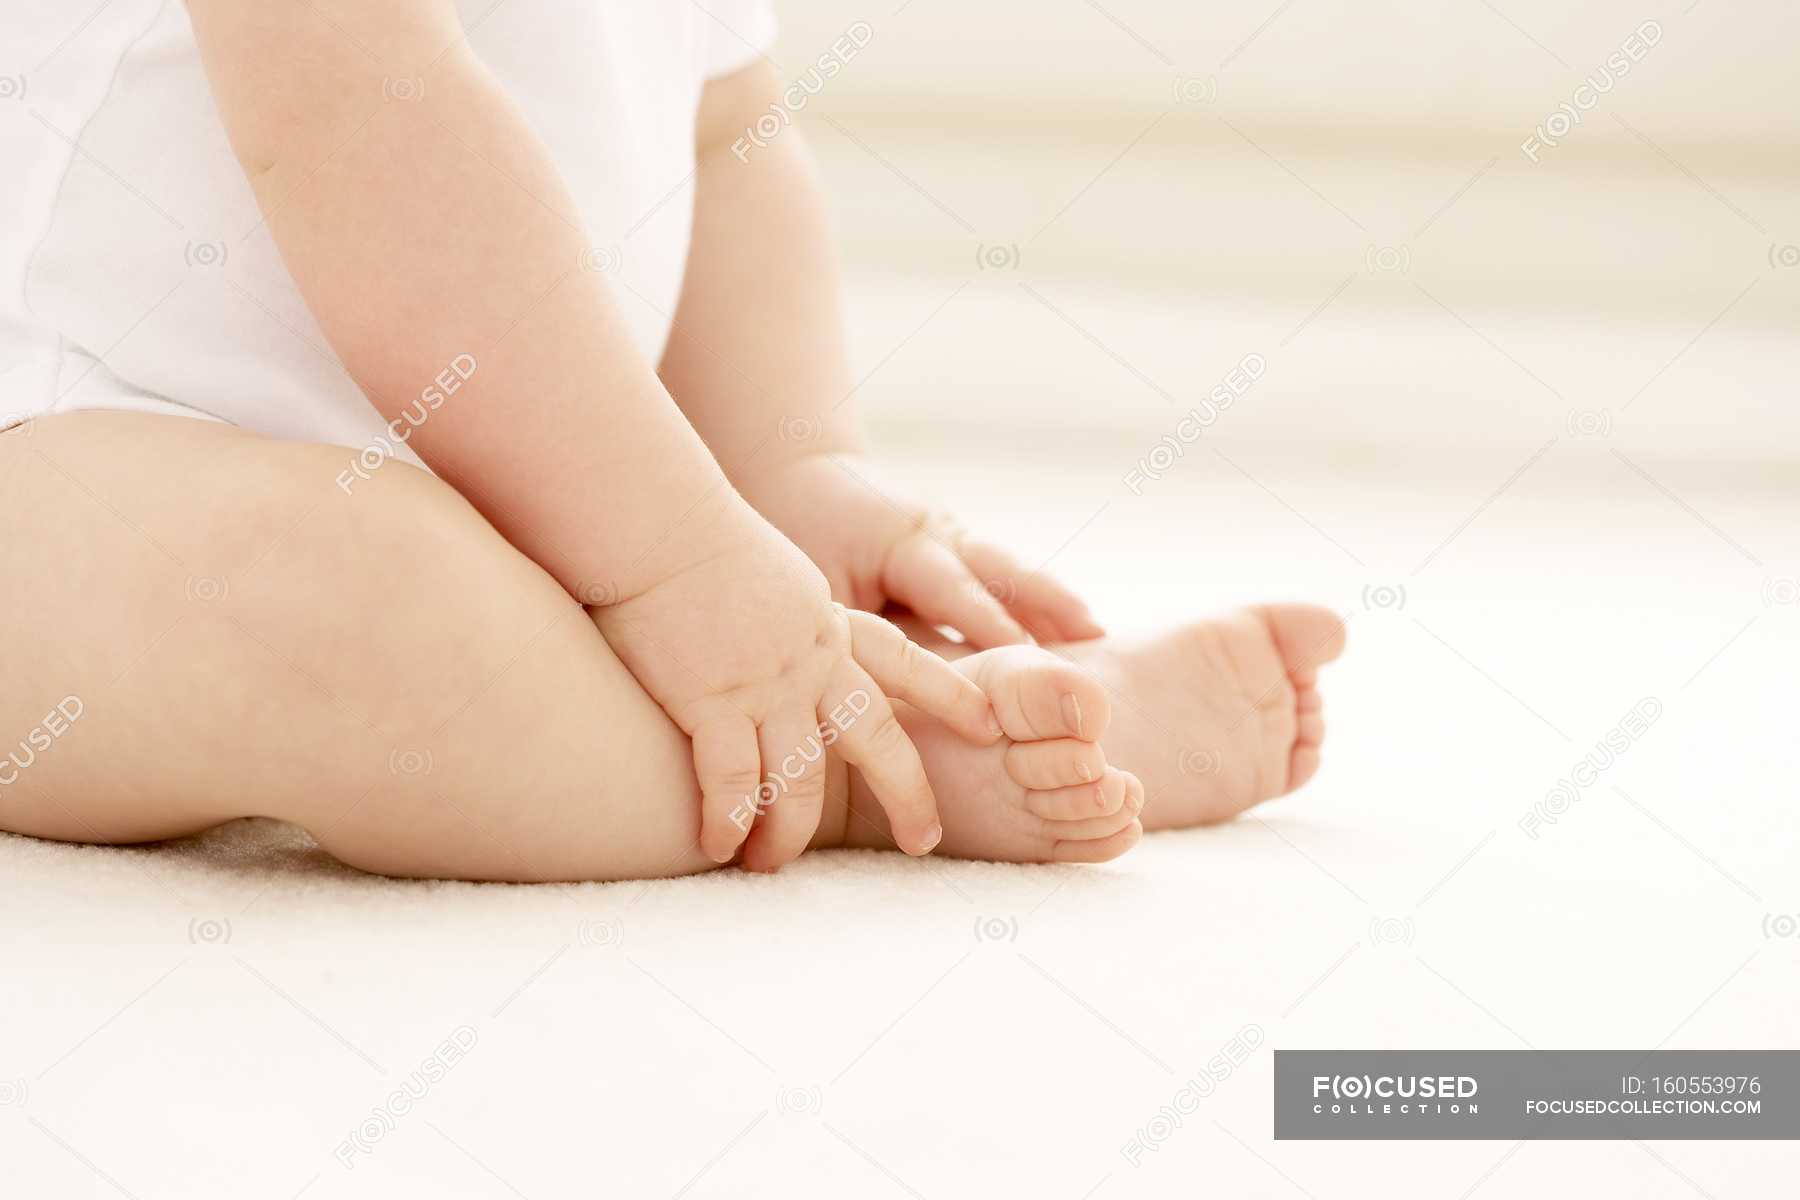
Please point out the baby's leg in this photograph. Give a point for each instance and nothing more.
(198, 624)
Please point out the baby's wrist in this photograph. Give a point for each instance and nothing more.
(677, 541)
(778, 467)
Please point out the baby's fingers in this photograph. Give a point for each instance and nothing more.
(729, 768)
(793, 757)
(903, 668)
(870, 738)
(1051, 611)
(928, 577)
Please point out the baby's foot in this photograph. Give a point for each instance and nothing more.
(1044, 793)
(1218, 715)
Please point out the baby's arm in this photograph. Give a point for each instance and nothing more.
(756, 358)
(427, 228)
(423, 221)
(757, 361)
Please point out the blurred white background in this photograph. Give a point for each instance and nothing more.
(1165, 187)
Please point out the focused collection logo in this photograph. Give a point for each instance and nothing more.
(1397, 1095)
(1520, 1095)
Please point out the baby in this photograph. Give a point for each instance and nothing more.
(529, 247)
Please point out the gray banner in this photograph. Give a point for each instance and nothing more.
(1571, 1095)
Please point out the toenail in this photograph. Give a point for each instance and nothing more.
(1081, 768)
(993, 724)
(1135, 802)
(1100, 796)
(932, 837)
(1071, 711)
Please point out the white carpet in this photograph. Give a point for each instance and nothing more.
(217, 1017)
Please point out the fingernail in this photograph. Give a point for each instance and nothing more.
(1071, 711)
(932, 837)
(993, 724)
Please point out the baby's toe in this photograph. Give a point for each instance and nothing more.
(1037, 695)
(1046, 766)
(1306, 636)
(1102, 798)
(1104, 825)
(1309, 732)
(1309, 718)
(1101, 849)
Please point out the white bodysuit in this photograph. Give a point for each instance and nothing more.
(136, 272)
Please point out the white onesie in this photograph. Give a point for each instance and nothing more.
(136, 272)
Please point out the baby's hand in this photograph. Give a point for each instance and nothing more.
(875, 547)
(745, 650)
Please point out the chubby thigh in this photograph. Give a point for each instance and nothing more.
(198, 623)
